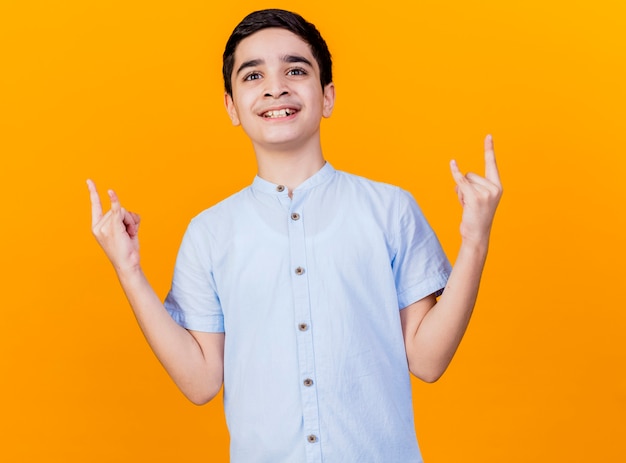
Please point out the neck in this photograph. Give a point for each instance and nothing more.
(288, 167)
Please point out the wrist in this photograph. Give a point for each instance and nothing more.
(129, 274)
(475, 248)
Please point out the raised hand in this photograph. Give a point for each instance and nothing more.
(116, 231)
(479, 197)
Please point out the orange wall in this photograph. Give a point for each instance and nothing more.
(129, 93)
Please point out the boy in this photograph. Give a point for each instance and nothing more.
(312, 293)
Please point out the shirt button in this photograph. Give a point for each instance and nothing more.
(303, 327)
(312, 438)
(280, 188)
(308, 382)
(299, 271)
(295, 216)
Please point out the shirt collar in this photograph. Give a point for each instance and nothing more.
(321, 176)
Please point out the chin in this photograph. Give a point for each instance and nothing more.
(282, 141)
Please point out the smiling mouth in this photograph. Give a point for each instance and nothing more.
(276, 114)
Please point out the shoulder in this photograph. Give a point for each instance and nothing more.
(223, 207)
(380, 193)
(221, 213)
(363, 182)
(365, 185)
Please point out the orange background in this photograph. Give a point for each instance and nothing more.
(129, 93)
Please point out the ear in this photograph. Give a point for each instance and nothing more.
(231, 109)
(329, 100)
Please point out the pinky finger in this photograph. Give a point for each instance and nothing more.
(458, 177)
(115, 202)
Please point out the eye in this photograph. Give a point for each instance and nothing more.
(297, 72)
(252, 76)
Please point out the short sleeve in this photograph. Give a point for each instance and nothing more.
(420, 265)
(193, 301)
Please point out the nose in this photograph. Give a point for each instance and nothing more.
(275, 88)
(276, 94)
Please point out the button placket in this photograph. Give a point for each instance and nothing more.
(302, 313)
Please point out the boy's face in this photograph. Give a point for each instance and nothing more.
(277, 97)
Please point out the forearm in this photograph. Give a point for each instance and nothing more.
(432, 344)
(197, 372)
(194, 360)
(433, 329)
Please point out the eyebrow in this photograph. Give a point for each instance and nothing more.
(286, 59)
(249, 64)
(295, 59)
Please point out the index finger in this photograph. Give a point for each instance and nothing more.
(96, 205)
(491, 168)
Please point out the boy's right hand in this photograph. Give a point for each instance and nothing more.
(116, 231)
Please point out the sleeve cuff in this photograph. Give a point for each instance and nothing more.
(434, 284)
(207, 324)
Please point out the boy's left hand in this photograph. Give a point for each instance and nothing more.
(479, 197)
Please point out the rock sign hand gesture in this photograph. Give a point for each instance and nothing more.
(115, 231)
(479, 197)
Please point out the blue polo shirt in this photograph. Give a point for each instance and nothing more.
(308, 291)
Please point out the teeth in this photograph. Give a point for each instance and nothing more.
(279, 113)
